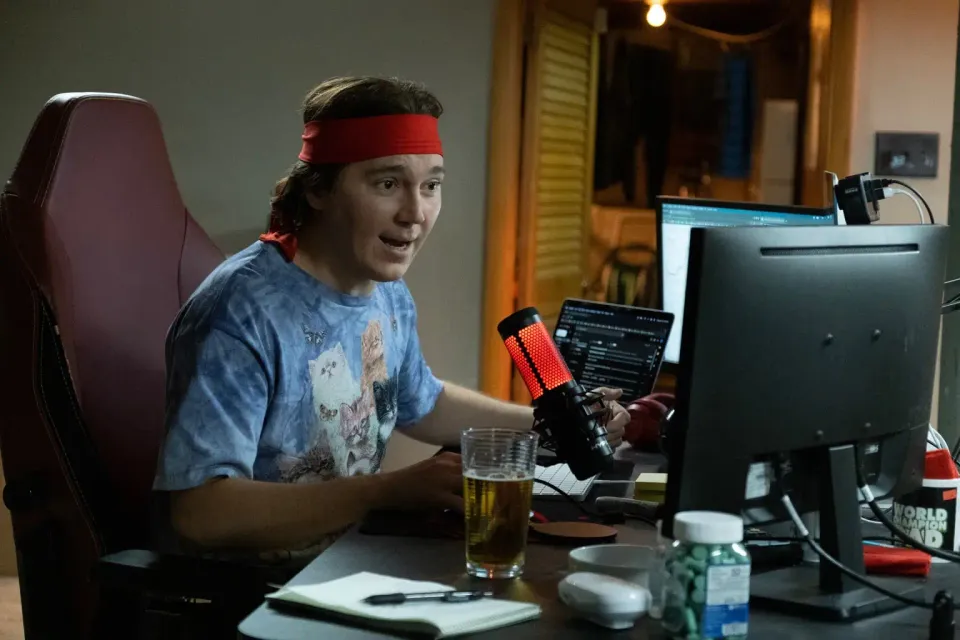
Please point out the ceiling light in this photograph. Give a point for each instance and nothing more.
(656, 16)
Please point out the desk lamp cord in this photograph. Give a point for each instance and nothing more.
(941, 623)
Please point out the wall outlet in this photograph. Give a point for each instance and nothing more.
(904, 154)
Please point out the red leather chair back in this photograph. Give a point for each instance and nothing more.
(97, 254)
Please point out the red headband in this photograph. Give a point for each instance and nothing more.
(356, 139)
(353, 140)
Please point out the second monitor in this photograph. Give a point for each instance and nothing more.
(677, 216)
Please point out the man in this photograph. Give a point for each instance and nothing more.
(290, 366)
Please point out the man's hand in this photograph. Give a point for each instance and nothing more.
(619, 417)
(434, 482)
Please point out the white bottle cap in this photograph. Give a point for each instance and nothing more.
(707, 527)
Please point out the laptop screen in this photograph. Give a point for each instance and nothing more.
(609, 345)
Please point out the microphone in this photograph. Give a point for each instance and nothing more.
(569, 420)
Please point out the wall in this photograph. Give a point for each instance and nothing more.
(227, 79)
(905, 72)
(905, 76)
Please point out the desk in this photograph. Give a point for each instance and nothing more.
(442, 561)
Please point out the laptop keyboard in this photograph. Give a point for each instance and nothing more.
(560, 476)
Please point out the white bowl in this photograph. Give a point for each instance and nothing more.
(630, 562)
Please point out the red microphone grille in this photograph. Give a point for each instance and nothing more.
(529, 377)
(544, 356)
(534, 352)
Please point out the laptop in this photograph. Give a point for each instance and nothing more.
(612, 345)
(606, 345)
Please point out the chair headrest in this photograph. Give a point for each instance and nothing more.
(52, 128)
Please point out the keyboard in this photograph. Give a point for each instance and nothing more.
(561, 477)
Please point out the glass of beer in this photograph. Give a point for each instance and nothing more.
(498, 470)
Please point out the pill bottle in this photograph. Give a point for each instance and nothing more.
(706, 591)
(657, 575)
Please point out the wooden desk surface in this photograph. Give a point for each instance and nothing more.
(443, 561)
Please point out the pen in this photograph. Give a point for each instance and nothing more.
(441, 596)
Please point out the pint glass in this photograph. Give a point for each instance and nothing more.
(498, 471)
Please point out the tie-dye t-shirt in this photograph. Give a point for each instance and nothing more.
(273, 376)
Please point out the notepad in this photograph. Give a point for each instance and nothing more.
(344, 598)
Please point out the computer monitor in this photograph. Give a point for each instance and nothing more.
(807, 341)
(612, 345)
(677, 216)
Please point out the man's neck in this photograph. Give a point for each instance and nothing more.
(321, 263)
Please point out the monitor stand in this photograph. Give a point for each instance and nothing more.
(823, 592)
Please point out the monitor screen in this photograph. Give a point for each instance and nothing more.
(675, 218)
(609, 345)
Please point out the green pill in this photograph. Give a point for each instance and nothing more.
(697, 566)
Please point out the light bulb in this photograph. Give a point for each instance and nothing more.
(656, 16)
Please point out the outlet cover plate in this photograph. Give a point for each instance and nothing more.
(906, 154)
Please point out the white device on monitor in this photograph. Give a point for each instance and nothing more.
(677, 216)
(830, 181)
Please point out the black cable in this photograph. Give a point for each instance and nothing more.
(853, 575)
(566, 495)
(603, 518)
(889, 524)
(808, 538)
(889, 181)
(847, 571)
(944, 307)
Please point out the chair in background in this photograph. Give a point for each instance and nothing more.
(631, 276)
(97, 254)
(623, 258)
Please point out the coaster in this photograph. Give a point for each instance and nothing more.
(578, 533)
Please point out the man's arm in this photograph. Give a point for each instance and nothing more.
(458, 407)
(239, 513)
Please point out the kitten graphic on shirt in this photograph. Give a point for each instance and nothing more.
(376, 378)
(372, 356)
(341, 431)
(332, 383)
(355, 422)
(352, 419)
(356, 433)
(316, 465)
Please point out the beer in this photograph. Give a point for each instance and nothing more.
(497, 514)
(498, 470)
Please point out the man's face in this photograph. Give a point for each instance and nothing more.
(380, 213)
